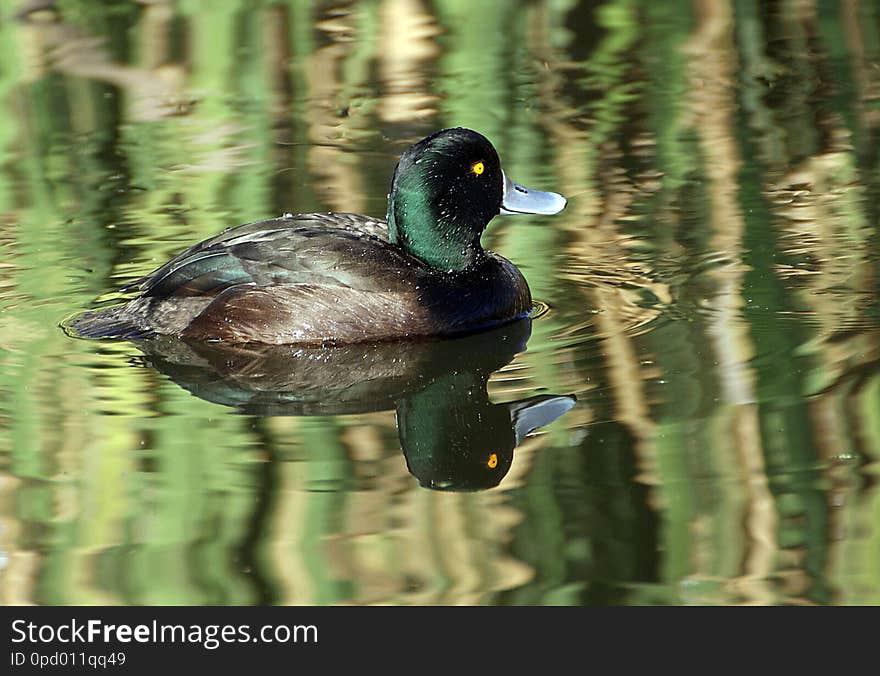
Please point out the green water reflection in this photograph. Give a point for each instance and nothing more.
(712, 285)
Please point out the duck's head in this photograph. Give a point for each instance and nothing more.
(446, 189)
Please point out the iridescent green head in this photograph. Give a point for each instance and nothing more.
(446, 189)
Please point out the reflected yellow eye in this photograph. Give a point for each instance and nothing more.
(478, 168)
(492, 462)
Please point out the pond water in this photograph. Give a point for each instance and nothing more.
(692, 417)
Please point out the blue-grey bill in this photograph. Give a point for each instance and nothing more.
(529, 415)
(520, 200)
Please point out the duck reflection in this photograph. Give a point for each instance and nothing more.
(452, 436)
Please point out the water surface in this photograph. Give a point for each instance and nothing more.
(704, 385)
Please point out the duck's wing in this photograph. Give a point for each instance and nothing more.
(324, 249)
(354, 223)
(376, 294)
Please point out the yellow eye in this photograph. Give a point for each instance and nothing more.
(492, 462)
(478, 168)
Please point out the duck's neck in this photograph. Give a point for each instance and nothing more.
(431, 233)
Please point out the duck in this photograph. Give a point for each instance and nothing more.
(343, 278)
(452, 434)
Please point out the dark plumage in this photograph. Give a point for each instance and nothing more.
(346, 278)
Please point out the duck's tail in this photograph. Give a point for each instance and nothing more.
(114, 322)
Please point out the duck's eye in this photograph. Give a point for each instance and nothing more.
(478, 168)
(492, 462)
